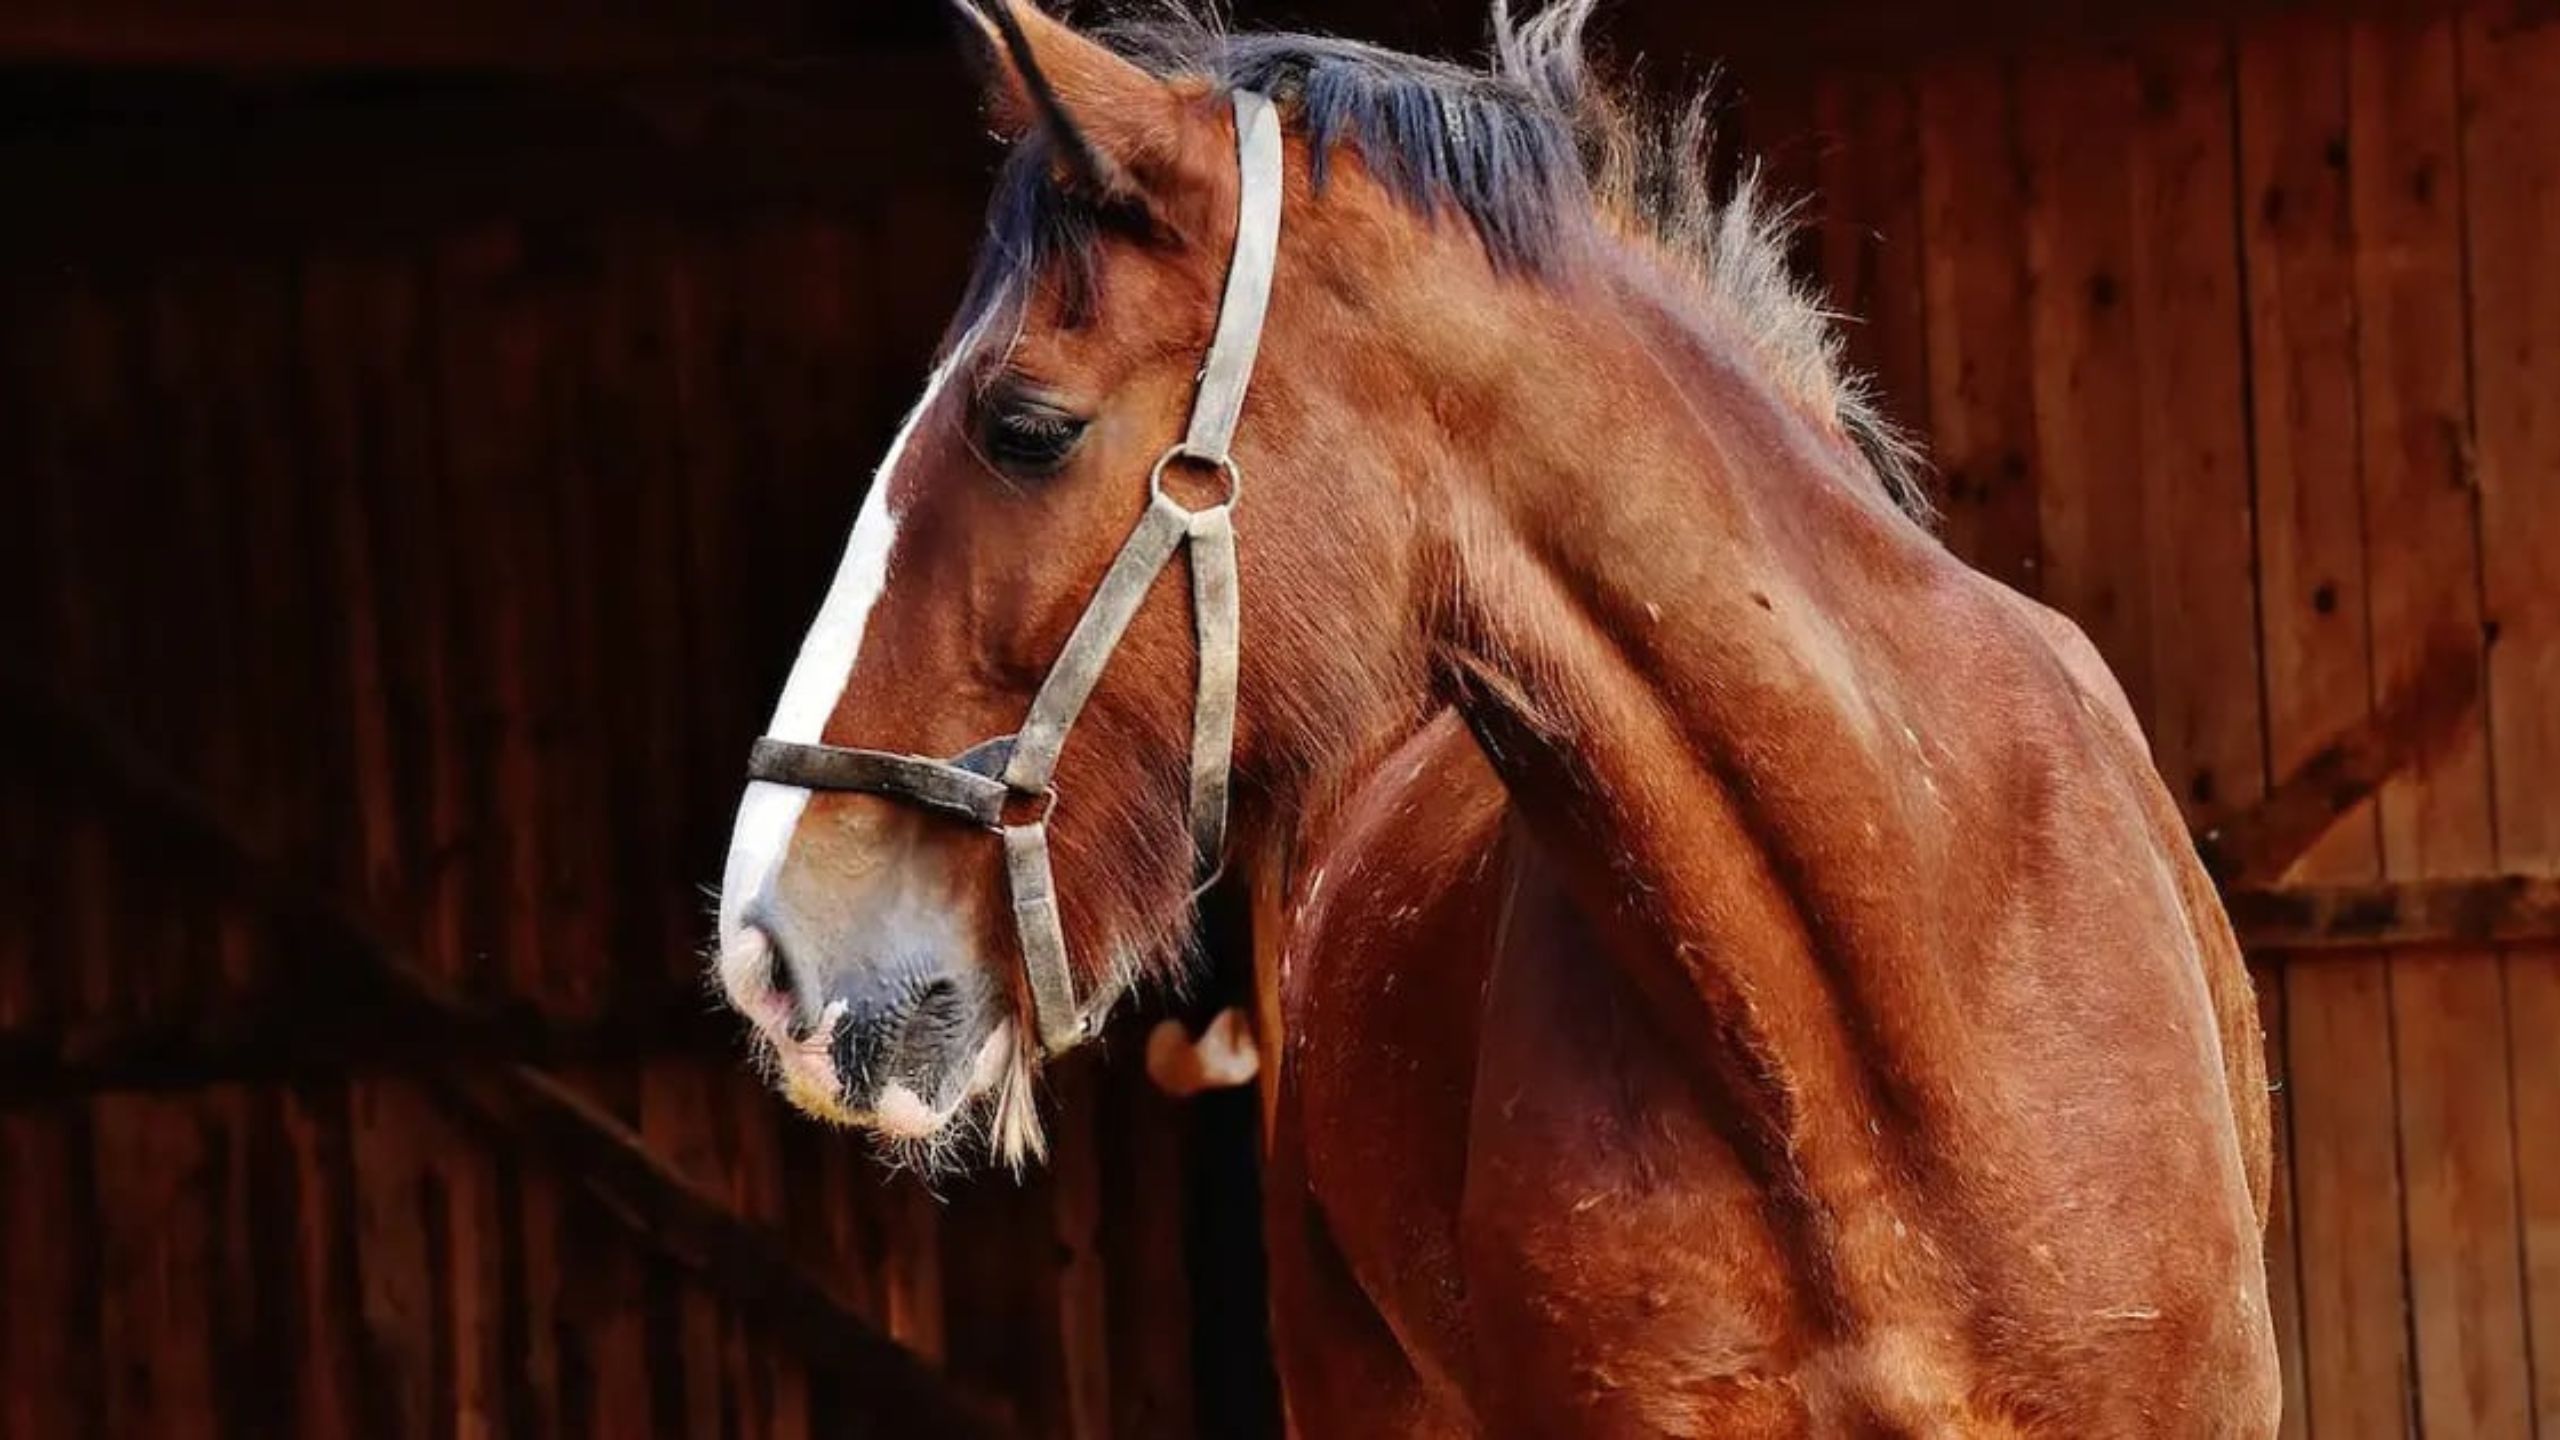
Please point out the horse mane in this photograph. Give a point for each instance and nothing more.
(1531, 153)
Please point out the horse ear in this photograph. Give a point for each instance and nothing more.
(1111, 123)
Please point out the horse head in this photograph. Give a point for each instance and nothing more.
(1051, 570)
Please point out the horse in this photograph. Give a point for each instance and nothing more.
(1732, 969)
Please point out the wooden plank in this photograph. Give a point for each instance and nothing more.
(39, 1268)
(390, 1129)
(2533, 1017)
(51, 1369)
(1000, 1296)
(493, 480)
(2206, 734)
(471, 34)
(1868, 178)
(2457, 1164)
(1149, 1288)
(2346, 1175)
(1973, 248)
(487, 378)
(694, 303)
(2418, 483)
(2342, 1176)
(617, 530)
(242, 476)
(2076, 118)
(549, 1121)
(55, 1379)
(417, 1191)
(155, 1297)
(2283, 1244)
(2511, 152)
(911, 1267)
(2457, 1142)
(318, 1164)
(1076, 1218)
(127, 939)
(2297, 244)
(677, 1123)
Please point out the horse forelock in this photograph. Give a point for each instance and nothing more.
(1533, 153)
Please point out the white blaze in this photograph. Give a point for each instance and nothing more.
(768, 812)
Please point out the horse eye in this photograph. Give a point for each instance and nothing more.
(1028, 440)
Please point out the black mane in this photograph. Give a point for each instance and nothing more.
(1528, 154)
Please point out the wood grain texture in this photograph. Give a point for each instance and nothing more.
(2511, 161)
(1867, 178)
(2298, 249)
(2077, 117)
(1974, 277)
(2297, 235)
(2457, 1140)
(320, 487)
(2284, 1243)
(2197, 534)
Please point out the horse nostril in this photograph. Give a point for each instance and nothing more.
(853, 1048)
(938, 1007)
(757, 980)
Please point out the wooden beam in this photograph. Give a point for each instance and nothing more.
(450, 34)
(2256, 847)
(507, 35)
(332, 1024)
(107, 167)
(516, 1104)
(2493, 910)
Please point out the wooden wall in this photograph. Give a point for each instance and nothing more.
(438, 473)
(2240, 342)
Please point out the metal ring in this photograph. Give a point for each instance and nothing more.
(1225, 465)
(1047, 795)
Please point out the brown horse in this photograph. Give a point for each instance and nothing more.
(1740, 975)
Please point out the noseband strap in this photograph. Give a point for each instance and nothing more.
(981, 785)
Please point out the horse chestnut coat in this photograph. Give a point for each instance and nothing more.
(1732, 969)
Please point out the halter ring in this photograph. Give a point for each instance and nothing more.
(1225, 465)
(1047, 795)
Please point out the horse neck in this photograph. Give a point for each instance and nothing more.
(1677, 583)
(1695, 640)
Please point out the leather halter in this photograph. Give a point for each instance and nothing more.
(980, 784)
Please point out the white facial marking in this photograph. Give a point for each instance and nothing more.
(768, 812)
(746, 977)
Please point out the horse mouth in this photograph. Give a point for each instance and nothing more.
(924, 1095)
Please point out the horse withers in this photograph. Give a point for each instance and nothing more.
(1735, 969)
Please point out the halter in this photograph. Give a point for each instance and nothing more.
(982, 783)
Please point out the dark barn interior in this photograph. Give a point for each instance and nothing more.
(425, 432)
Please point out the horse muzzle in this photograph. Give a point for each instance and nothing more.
(896, 1040)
